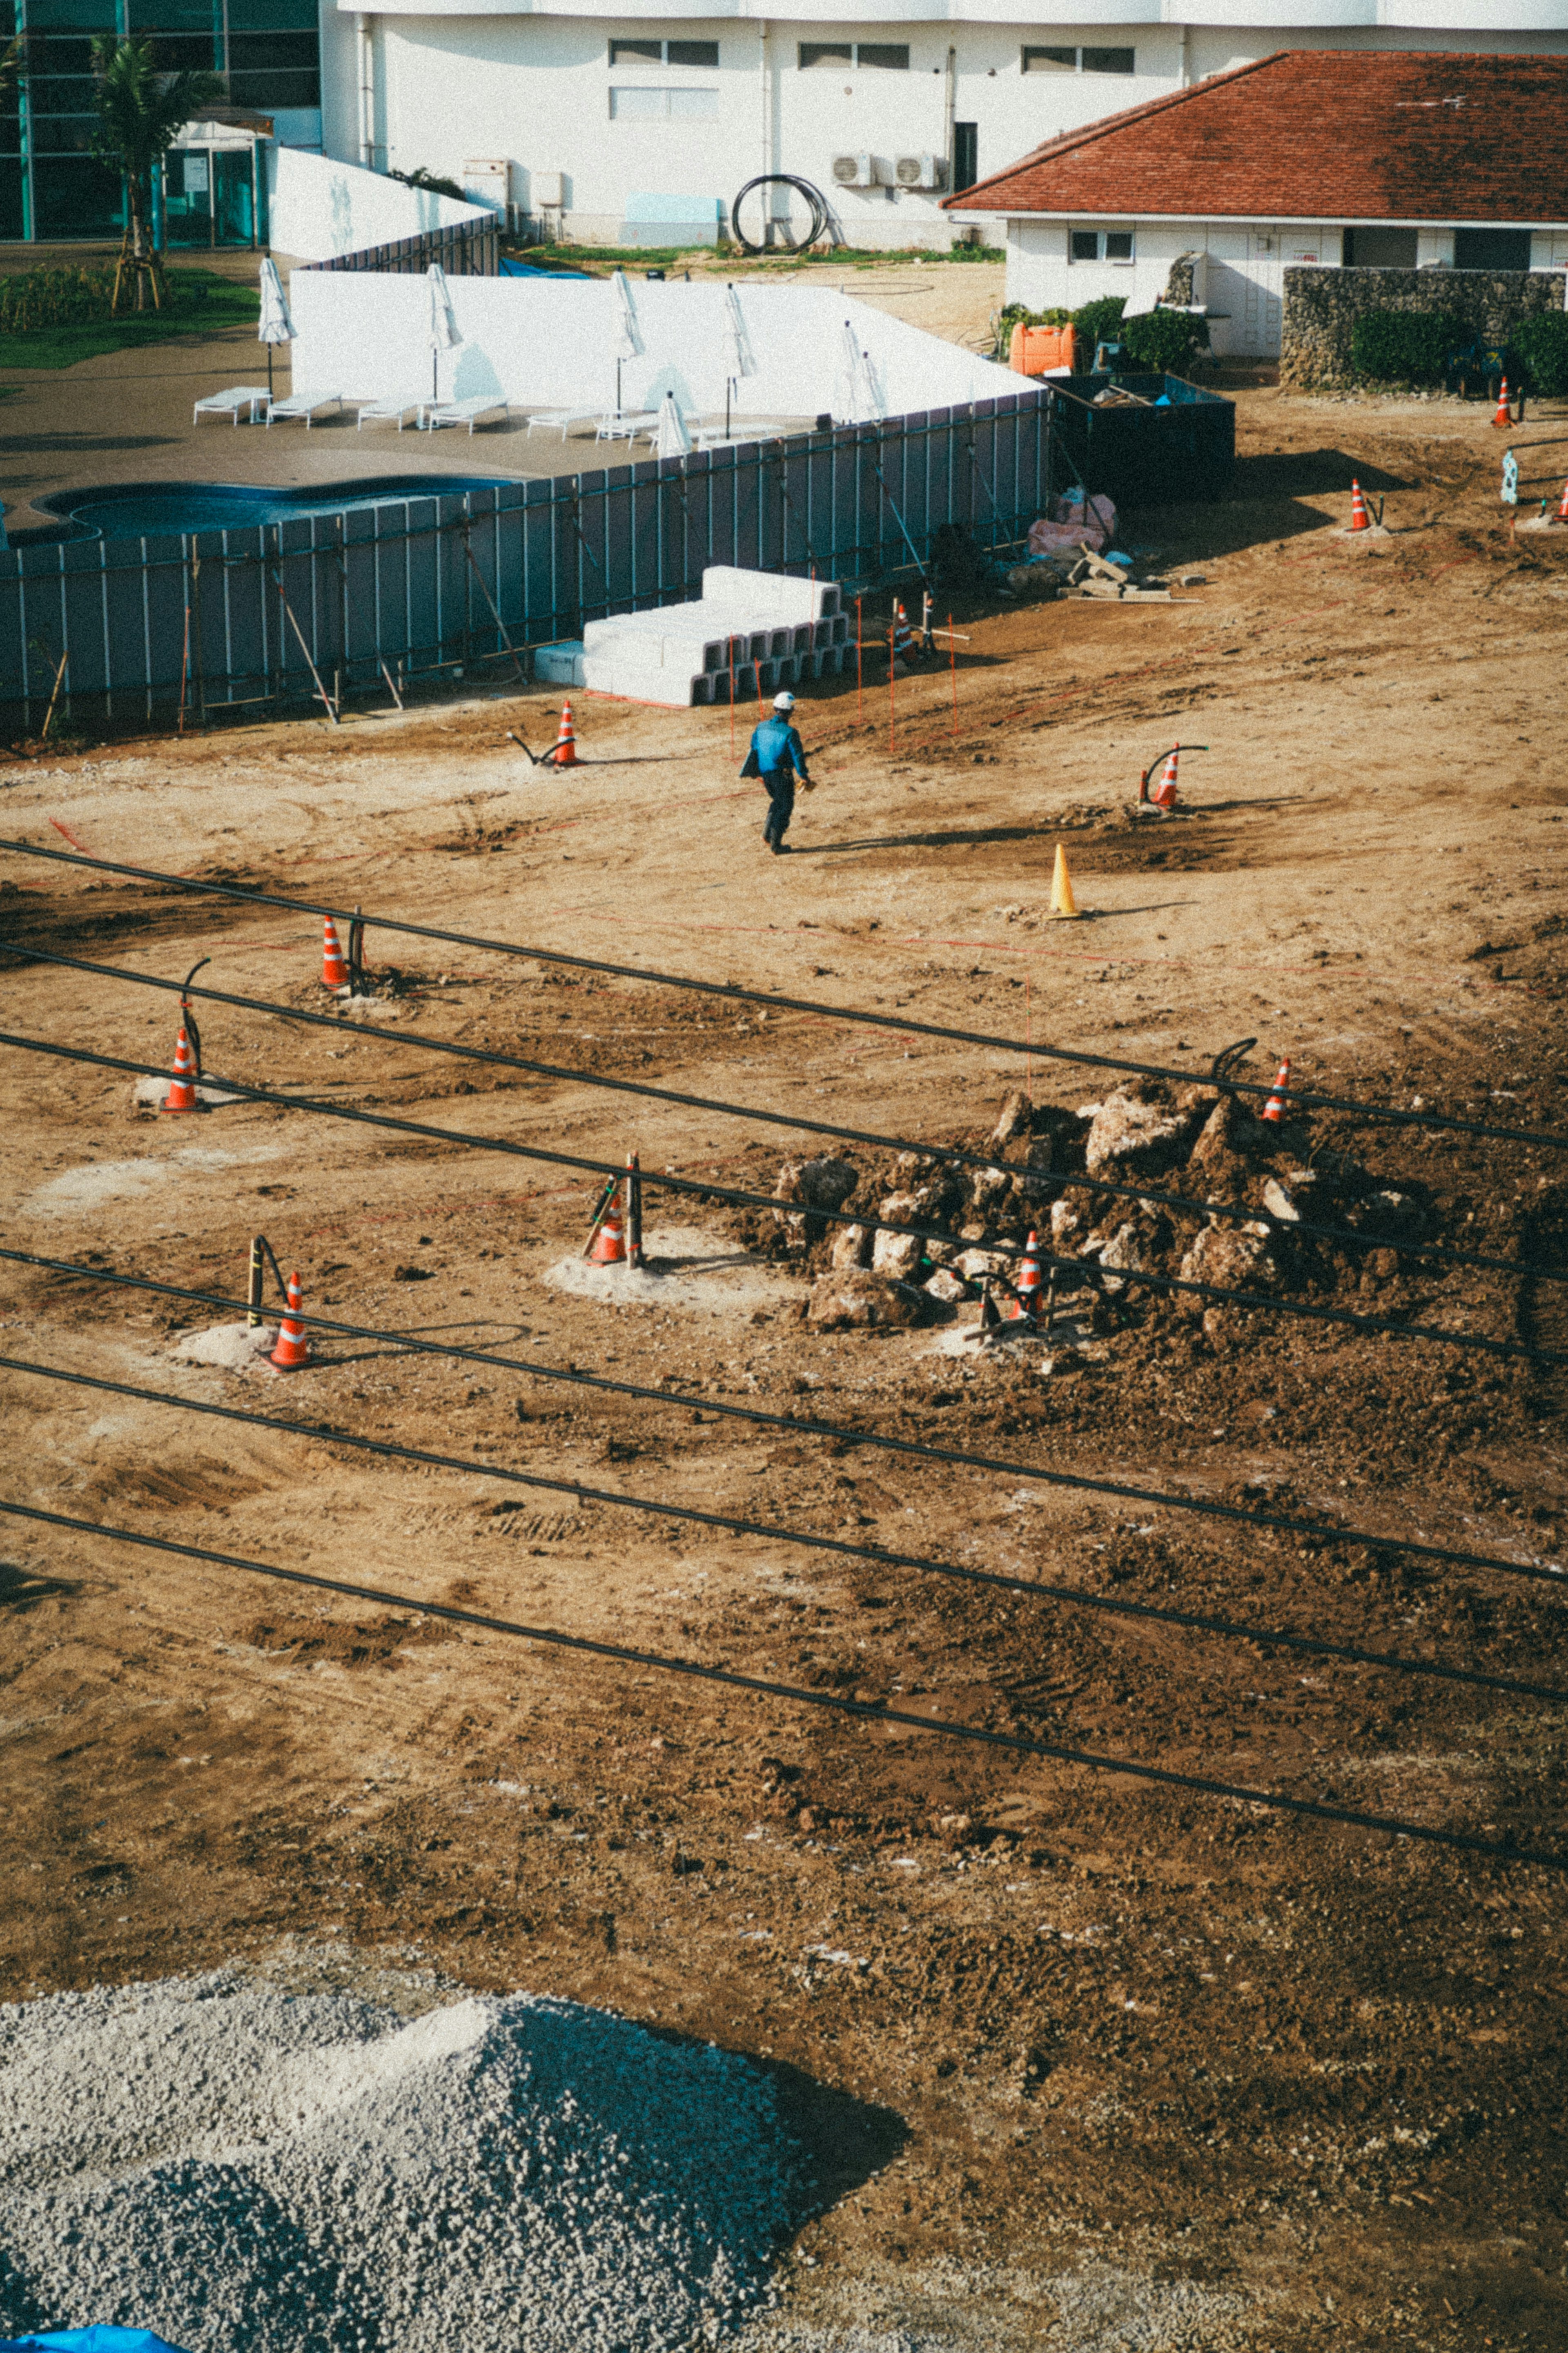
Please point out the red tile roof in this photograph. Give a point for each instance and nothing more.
(1317, 134)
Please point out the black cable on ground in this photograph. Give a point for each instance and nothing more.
(414, 1343)
(734, 995)
(868, 1711)
(953, 1153)
(1223, 1294)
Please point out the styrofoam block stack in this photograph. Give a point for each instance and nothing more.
(559, 665)
(767, 630)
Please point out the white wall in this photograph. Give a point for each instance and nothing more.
(553, 345)
(482, 78)
(318, 209)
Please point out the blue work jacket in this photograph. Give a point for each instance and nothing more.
(778, 744)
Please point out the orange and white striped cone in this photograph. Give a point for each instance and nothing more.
(1028, 1283)
(1359, 518)
(564, 754)
(1164, 793)
(334, 966)
(610, 1242)
(292, 1347)
(1562, 510)
(1275, 1107)
(182, 1094)
(1502, 417)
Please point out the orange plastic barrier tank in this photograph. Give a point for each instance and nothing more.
(1033, 350)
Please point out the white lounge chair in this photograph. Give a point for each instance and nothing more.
(433, 413)
(382, 411)
(632, 426)
(565, 418)
(229, 404)
(302, 404)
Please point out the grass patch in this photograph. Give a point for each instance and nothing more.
(729, 256)
(202, 304)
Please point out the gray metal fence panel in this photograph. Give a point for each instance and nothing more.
(282, 612)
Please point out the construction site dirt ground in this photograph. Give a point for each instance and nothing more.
(1086, 2060)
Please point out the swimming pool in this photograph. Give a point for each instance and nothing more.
(134, 510)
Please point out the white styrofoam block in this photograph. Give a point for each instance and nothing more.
(559, 665)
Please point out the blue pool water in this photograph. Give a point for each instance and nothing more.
(147, 508)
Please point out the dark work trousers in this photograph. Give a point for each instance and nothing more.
(779, 786)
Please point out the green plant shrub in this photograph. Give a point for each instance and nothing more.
(432, 181)
(1406, 346)
(1098, 320)
(1163, 341)
(31, 299)
(1542, 344)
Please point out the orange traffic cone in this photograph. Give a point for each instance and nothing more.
(1029, 1283)
(564, 754)
(1275, 1107)
(1359, 518)
(334, 969)
(1164, 793)
(182, 1094)
(292, 1348)
(1064, 906)
(1502, 417)
(1562, 510)
(610, 1242)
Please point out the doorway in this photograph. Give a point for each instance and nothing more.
(211, 197)
(1243, 291)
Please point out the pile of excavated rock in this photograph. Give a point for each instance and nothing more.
(1252, 1183)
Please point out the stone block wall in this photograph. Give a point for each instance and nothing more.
(1321, 306)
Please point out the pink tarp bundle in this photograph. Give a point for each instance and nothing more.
(1074, 523)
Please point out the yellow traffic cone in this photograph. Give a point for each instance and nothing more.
(1063, 903)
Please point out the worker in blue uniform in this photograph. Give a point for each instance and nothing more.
(777, 758)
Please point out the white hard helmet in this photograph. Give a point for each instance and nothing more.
(783, 702)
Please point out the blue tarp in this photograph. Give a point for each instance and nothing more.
(526, 269)
(98, 2340)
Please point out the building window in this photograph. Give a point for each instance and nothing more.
(1100, 245)
(1491, 249)
(965, 154)
(1077, 60)
(1379, 249)
(891, 57)
(663, 105)
(664, 53)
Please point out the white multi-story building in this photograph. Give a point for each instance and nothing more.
(591, 117)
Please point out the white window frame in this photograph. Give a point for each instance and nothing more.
(630, 41)
(852, 63)
(1099, 257)
(1078, 51)
(663, 111)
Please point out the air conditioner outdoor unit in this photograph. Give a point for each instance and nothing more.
(853, 170)
(921, 172)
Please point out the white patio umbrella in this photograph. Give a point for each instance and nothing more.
(444, 335)
(628, 335)
(277, 324)
(859, 389)
(672, 439)
(739, 358)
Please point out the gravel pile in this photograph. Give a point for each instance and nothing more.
(235, 2165)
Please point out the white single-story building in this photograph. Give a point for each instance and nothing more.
(594, 119)
(1403, 160)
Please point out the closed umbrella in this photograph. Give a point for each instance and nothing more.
(444, 332)
(673, 440)
(277, 324)
(739, 358)
(859, 390)
(628, 335)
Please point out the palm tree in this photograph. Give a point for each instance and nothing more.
(141, 113)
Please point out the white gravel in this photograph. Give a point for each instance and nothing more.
(240, 2167)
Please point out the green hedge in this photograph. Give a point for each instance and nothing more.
(1542, 344)
(1097, 319)
(1163, 341)
(1406, 346)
